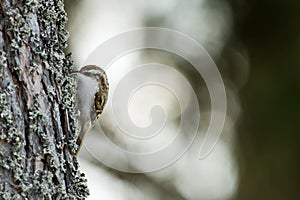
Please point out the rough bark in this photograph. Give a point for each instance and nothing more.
(37, 115)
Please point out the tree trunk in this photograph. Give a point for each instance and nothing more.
(37, 115)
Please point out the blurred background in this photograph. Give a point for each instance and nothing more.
(256, 46)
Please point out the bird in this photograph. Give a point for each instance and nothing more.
(91, 98)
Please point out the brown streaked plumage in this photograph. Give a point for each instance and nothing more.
(91, 97)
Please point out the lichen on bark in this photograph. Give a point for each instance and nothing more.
(38, 118)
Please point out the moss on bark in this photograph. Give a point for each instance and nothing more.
(37, 97)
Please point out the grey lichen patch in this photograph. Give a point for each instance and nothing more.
(3, 62)
(12, 135)
(37, 156)
(6, 116)
(12, 159)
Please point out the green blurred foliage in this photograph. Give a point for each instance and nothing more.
(268, 136)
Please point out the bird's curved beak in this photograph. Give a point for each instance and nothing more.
(74, 72)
